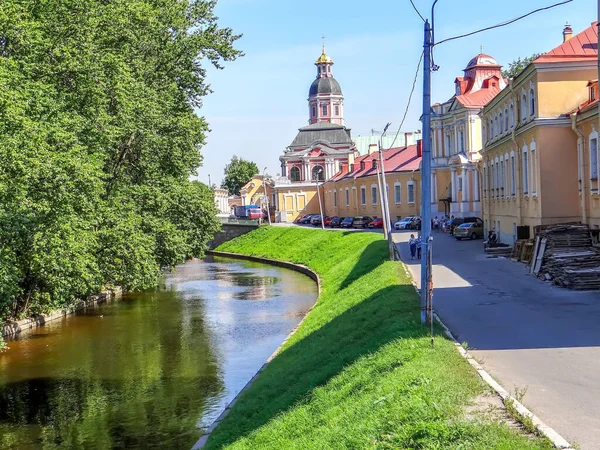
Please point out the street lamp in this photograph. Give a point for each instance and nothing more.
(317, 173)
(266, 196)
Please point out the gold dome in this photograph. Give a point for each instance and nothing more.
(324, 58)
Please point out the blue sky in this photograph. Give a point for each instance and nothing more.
(259, 101)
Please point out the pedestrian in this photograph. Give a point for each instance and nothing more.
(436, 224)
(418, 242)
(412, 243)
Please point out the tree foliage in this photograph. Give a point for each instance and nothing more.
(237, 173)
(98, 139)
(518, 65)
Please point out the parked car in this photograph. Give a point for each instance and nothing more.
(415, 223)
(472, 230)
(403, 223)
(316, 220)
(458, 221)
(336, 222)
(328, 221)
(307, 219)
(362, 221)
(348, 222)
(377, 222)
(299, 219)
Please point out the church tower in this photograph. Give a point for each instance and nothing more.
(325, 99)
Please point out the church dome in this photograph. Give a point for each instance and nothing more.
(325, 85)
(482, 60)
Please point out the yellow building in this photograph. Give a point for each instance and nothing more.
(456, 139)
(354, 191)
(585, 123)
(529, 159)
(258, 192)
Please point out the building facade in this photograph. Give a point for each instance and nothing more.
(457, 141)
(530, 163)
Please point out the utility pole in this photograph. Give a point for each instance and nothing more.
(385, 206)
(319, 197)
(426, 181)
(266, 195)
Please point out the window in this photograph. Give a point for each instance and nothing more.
(497, 178)
(594, 158)
(318, 174)
(363, 195)
(337, 110)
(448, 143)
(512, 116)
(329, 69)
(294, 174)
(512, 176)
(373, 195)
(460, 183)
(492, 179)
(324, 110)
(592, 93)
(496, 127)
(501, 124)
(506, 120)
(533, 169)
(524, 108)
(411, 192)
(347, 197)
(502, 175)
(335, 199)
(531, 102)
(461, 141)
(485, 181)
(314, 111)
(525, 171)
(398, 193)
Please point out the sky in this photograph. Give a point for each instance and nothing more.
(260, 100)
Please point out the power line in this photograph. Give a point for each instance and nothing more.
(416, 10)
(409, 100)
(503, 24)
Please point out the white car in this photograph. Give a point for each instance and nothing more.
(403, 224)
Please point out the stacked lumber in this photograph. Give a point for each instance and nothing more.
(569, 259)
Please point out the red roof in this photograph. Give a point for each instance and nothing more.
(589, 104)
(401, 159)
(478, 98)
(581, 47)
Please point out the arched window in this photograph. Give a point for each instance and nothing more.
(314, 111)
(501, 124)
(318, 173)
(531, 102)
(295, 174)
(512, 116)
(506, 120)
(496, 126)
(524, 108)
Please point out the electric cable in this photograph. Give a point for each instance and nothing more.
(409, 101)
(503, 24)
(416, 10)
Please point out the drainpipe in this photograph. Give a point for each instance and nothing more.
(580, 144)
(519, 176)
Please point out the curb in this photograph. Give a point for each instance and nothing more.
(273, 262)
(541, 428)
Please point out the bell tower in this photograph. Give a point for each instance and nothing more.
(325, 99)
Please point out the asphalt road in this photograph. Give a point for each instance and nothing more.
(527, 333)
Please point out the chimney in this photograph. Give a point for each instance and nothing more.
(419, 148)
(372, 148)
(567, 32)
(351, 168)
(407, 139)
(351, 158)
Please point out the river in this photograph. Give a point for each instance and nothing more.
(153, 369)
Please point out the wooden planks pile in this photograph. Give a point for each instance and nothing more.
(567, 257)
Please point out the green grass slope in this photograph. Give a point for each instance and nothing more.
(360, 372)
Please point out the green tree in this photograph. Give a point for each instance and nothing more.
(237, 173)
(98, 139)
(518, 66)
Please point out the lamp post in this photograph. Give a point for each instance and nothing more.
(319, 172)
(266, 196)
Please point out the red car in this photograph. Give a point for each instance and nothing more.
(327, 221)
(376, 223)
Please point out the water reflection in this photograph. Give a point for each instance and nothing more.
(145, 371)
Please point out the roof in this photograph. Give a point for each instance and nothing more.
(322, 131)
(325, 85)
(400, 159)
(482, 60)
(588, 104)
(478, 98)
(581, 47)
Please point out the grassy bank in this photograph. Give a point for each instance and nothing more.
(360, 372)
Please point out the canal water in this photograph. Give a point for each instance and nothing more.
(152, 370)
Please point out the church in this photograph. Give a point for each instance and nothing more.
(320, 149)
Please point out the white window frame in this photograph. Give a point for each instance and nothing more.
(324, 110)
(513, 178)
(511, 109)
(363, 195)
(337, 110)
(594, 167)
(408, 192)
(525, 167)
(502, 175)
(374, 194)
(531, 104)
(397, 193)
(533, 168)
(347, 197)
(334, 198)
(523, 106)
(506, 123)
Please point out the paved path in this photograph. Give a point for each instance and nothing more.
(527, 333)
